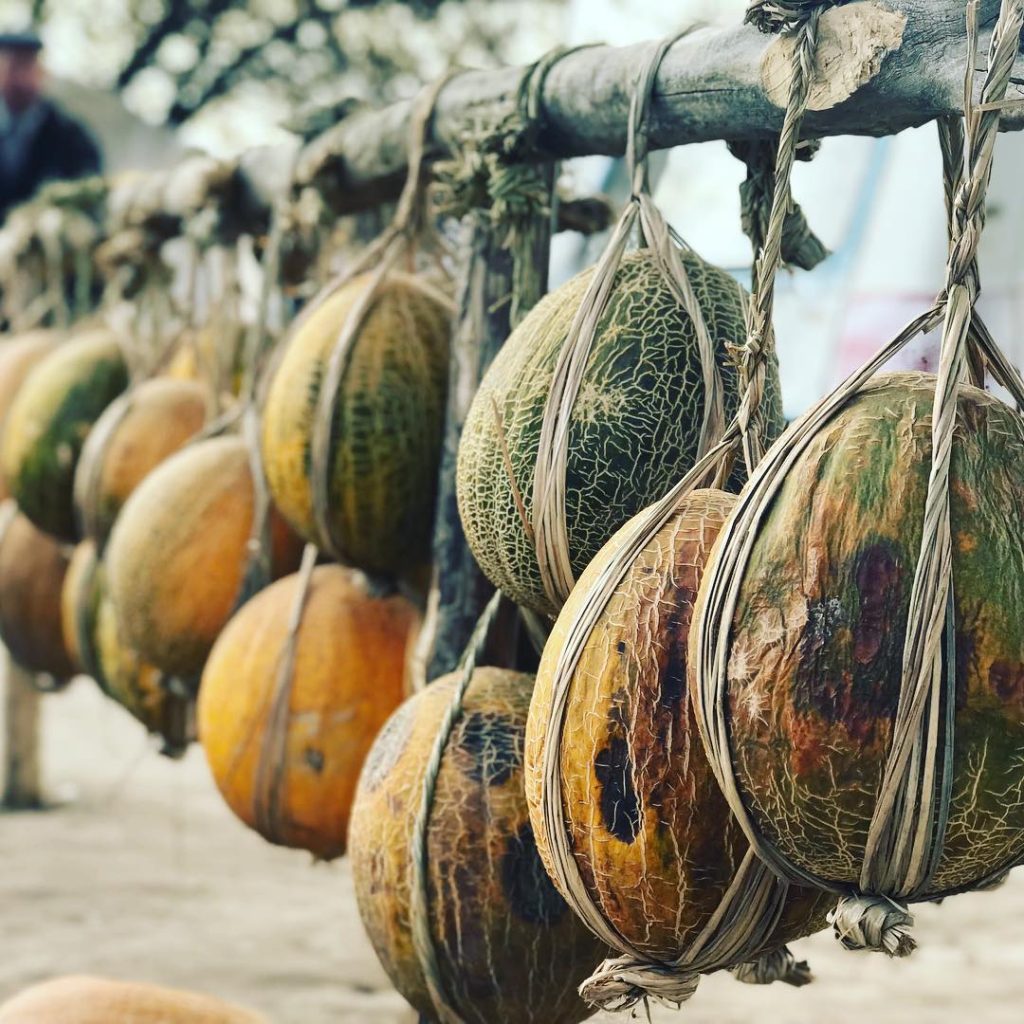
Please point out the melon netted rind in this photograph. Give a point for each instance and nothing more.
(653, 838)
(48, 421)
(635, 424)
(817, 636)
(386, 435)
(508, 946)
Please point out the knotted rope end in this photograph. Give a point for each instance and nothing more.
(623, 982)
(875, 923)
(771, 16)
(777, 964)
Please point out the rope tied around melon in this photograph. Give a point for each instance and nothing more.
(395, 244)
(907, 830)
(739, 934)
(419, 909)
(549, 529)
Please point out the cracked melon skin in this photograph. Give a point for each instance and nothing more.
(508, 946)
(17, 357)
(133, 436)
(56, 406)
(178, 553)
(652, 834)
(817, 637)
(635, 424)
(33, 566)
(348, 677)
(387, 431)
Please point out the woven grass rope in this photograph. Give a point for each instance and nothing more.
(906, 835)
(550, 531)
(750, 910)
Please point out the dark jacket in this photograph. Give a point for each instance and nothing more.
(59, 149)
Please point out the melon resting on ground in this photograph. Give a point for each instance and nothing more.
(178, 553)
(385, 444)
(56, 406)
(816, 640)
(347, 677)
(653, 837)
(635, 424)
(508, 947)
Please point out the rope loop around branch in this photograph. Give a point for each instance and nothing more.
(785, 15)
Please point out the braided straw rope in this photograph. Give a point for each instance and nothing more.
(550, 530)
(906, 834)
(745, 920)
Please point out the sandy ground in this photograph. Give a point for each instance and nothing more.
(142, 873)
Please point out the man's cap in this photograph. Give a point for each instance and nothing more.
(26, 40)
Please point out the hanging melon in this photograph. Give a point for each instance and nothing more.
(17, 357)
(385, 438)
(54, 409)
(815, 642)
(635, 425)
(508, 947)
(78, 999)
(32, 570)
(651, 832)
(157, 701)
(286, 749)
(80, 599)
(179, 551)
(135, 433)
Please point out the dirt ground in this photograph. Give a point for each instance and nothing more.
(141, 873)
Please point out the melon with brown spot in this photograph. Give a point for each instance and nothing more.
(135, 434)
(651, 832)
(508, 946)
(32, 570)
(178, 553)
(289, 770)
(816, 640)
(56, 406)
(17, 357)
(385, 437)
(634, 428)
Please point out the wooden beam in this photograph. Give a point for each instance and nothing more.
(891, 65)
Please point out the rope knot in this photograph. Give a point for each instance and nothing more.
(771, 16)
(873, 922)
(621, 983)
(777, 964)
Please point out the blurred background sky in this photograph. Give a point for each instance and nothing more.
(154, 77)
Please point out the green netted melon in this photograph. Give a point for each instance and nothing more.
(653, 837)
(386, 433)
(816, 640)
(635, 425)
(54, 409)
(508, 947)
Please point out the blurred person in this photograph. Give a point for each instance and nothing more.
(39, 142)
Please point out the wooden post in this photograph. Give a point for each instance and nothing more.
(460, 589)
(22, 790)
